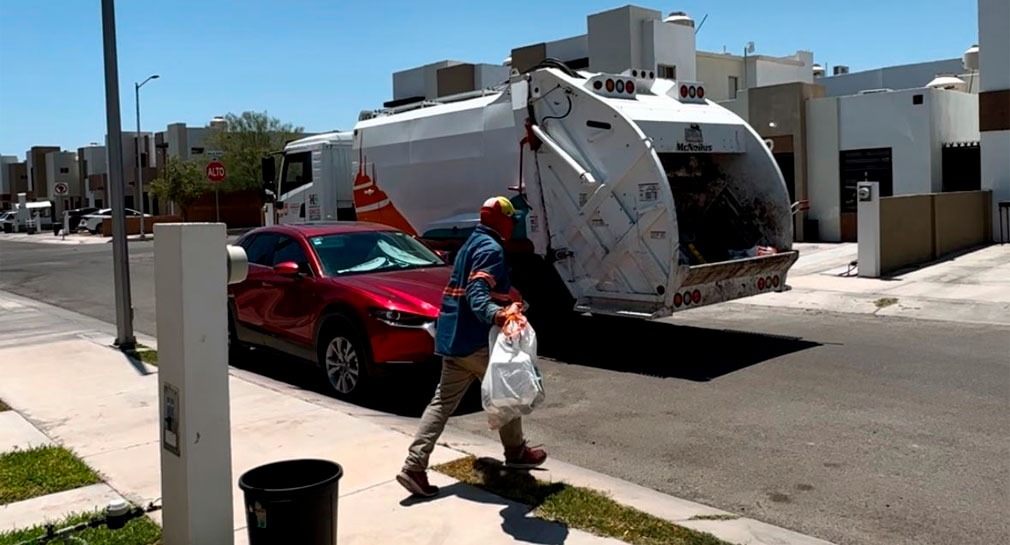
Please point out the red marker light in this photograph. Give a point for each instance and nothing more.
(701, 92)
(630, 87)
(761, 283)
(696, 296)
(683, 91)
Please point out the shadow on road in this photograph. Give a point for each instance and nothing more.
(662, 349)
(406, 391)
(616, 344)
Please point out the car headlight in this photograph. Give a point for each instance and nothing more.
(400, 319)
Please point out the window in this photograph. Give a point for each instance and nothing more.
(64, 170)
(260, 249)
(377, 251)
(916, 99)
(297, 171)
(666, 71)
(288, 249)
(733, 86)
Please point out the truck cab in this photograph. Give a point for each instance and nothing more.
(313, 181)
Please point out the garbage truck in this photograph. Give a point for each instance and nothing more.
(637, 196)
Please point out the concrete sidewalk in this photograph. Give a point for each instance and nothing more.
(972, 288)
(95, 401)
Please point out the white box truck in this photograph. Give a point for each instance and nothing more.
(639, 196)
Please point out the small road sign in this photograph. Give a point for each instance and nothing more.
(61, 188)
(215, 172)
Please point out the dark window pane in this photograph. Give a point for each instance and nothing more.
(288, 249)
(261, 251)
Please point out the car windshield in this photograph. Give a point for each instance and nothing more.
(373, 251)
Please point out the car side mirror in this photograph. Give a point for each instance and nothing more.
(444, 255)
(268, 170)
(287, 268)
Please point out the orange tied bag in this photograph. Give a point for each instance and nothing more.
(515, 321)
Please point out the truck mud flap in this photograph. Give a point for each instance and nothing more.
(718, 282)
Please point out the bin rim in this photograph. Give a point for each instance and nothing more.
(328, 480)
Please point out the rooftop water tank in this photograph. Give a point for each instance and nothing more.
(680, 18)
(970, 58)
(948, 82)
(818, 71)
(217, 121)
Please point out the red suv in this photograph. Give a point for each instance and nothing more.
(349, 296)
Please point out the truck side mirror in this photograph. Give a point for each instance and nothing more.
(268, 169)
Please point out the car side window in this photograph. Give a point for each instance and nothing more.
(261, 249)
(288, 249)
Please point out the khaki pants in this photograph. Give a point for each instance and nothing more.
(457, 374)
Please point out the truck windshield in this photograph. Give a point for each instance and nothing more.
(374, 251)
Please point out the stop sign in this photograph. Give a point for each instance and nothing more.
(215, 171)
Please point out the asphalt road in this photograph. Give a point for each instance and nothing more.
(854, 429)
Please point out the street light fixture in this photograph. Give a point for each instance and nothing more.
(140, 175)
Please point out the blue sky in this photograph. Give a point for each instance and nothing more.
(317, 64)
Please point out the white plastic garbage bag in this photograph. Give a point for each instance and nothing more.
(512, 384)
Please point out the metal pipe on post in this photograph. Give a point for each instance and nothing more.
(120, 261)
(140, 172)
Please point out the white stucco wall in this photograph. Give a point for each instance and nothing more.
(56, 162)
(823, 188)
(994, 69)
(906, 76)
(891, 120)
(953, 118)
(714, 70)
(672, 45)
(774, 71)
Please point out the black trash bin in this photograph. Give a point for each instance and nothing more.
(293, 501)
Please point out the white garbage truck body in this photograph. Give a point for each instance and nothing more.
(644, 198)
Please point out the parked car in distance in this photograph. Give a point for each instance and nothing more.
(353, 297)
(7, 221)
(93, 222)
(74, 216)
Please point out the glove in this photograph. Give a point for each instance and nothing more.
(499, 317)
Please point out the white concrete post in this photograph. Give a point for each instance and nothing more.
(868, 228)
(191, 279)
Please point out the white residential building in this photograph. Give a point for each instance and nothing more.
(92, 166)
(63, 183)
(906, 76)
(910, 141)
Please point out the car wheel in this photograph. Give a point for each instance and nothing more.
(344, 359)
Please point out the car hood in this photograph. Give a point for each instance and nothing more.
(418, 291)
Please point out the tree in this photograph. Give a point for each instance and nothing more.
(244, 141)
(181, 182)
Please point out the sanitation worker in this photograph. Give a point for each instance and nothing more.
(476, 298)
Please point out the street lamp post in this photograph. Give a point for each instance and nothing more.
(140, 173)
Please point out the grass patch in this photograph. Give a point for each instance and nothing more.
(39, 471)
(885, 302)
(575, 506)
(714, 517)
(139, 531)
(144, 354)
(4, 406)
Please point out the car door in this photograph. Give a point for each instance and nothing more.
(250, 301)
(290, 301)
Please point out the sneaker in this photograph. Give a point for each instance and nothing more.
(416, 482)
(526, 458)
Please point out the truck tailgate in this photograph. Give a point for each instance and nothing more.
(717, 282)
